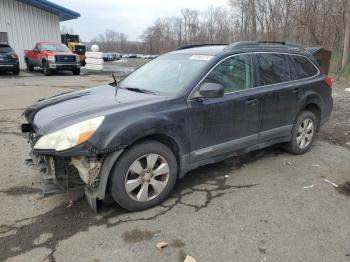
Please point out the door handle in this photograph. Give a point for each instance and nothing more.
(252, 102)
(298, 91)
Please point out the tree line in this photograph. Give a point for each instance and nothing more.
(308, 22)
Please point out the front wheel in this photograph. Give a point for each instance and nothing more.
(46, 68)
(144, 176)
(29, 66)
(303, 133)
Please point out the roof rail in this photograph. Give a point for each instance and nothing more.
(266, 44)
(196, 45)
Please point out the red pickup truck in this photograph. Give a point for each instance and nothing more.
(52, 57)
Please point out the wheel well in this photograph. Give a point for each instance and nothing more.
(166, 140)
(314, 109)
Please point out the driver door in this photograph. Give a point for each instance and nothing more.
(218, 126)
(36, 55)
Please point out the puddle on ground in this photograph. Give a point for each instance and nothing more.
(21, 190)
(138, 235)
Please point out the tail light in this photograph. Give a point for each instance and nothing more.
(14, 55)
(329, 81)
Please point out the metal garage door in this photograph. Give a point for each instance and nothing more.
(3, 38)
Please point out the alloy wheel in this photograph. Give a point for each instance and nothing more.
(147, 177)
(305, 133)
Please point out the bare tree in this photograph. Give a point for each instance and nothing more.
(346, 47)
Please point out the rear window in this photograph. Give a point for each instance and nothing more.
(5, 49)
(273, 68)
(303, 67)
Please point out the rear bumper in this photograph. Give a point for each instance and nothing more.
(9, 66)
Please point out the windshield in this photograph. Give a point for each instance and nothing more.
(5, 49)
(168, 74)
(54, 47)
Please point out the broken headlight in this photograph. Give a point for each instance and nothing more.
(70, 136)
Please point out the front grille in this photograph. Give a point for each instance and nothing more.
(65, 58)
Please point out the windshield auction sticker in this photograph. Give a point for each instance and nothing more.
(201, 57)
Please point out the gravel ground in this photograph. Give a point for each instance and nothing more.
(264, 206)
(337, 130)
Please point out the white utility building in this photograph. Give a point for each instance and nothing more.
(25, 22)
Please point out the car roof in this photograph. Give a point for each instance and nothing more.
(250, 46)
(200, 50)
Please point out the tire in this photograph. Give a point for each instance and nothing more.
(29, 66)
(135, 158)
(303, 135)
(15, 71)
(46, 68)
(76, 72)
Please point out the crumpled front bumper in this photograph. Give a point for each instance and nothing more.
(63, 171)
(81, 166)
(57, 174)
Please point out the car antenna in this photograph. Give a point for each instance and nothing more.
(115, 84)
(115, 80)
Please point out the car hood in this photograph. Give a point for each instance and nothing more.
(63, 110)
(59, 53)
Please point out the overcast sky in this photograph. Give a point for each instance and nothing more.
(130, 17)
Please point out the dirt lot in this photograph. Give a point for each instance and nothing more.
(265, 206)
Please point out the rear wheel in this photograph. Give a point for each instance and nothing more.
(303, 133)
(15, 71)
(144, 176)
(46, 68)
(76, 71)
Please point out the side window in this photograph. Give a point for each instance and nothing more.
(273, 68)
(303, 67)
(234, 73)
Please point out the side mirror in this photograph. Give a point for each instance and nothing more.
(211, 90)
(36, 50)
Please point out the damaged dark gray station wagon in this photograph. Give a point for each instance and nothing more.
(197, 105)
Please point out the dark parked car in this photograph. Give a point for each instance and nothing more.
(8, 59)
(188, 108)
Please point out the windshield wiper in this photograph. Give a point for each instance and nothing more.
(140, 90)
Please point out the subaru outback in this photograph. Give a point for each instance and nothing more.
(194, 106)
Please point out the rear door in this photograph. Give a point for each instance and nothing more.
(277, 94)
(222, 125)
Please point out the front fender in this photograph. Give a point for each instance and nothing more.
(127, 133)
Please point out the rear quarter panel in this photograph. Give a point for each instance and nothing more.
(315, 92)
